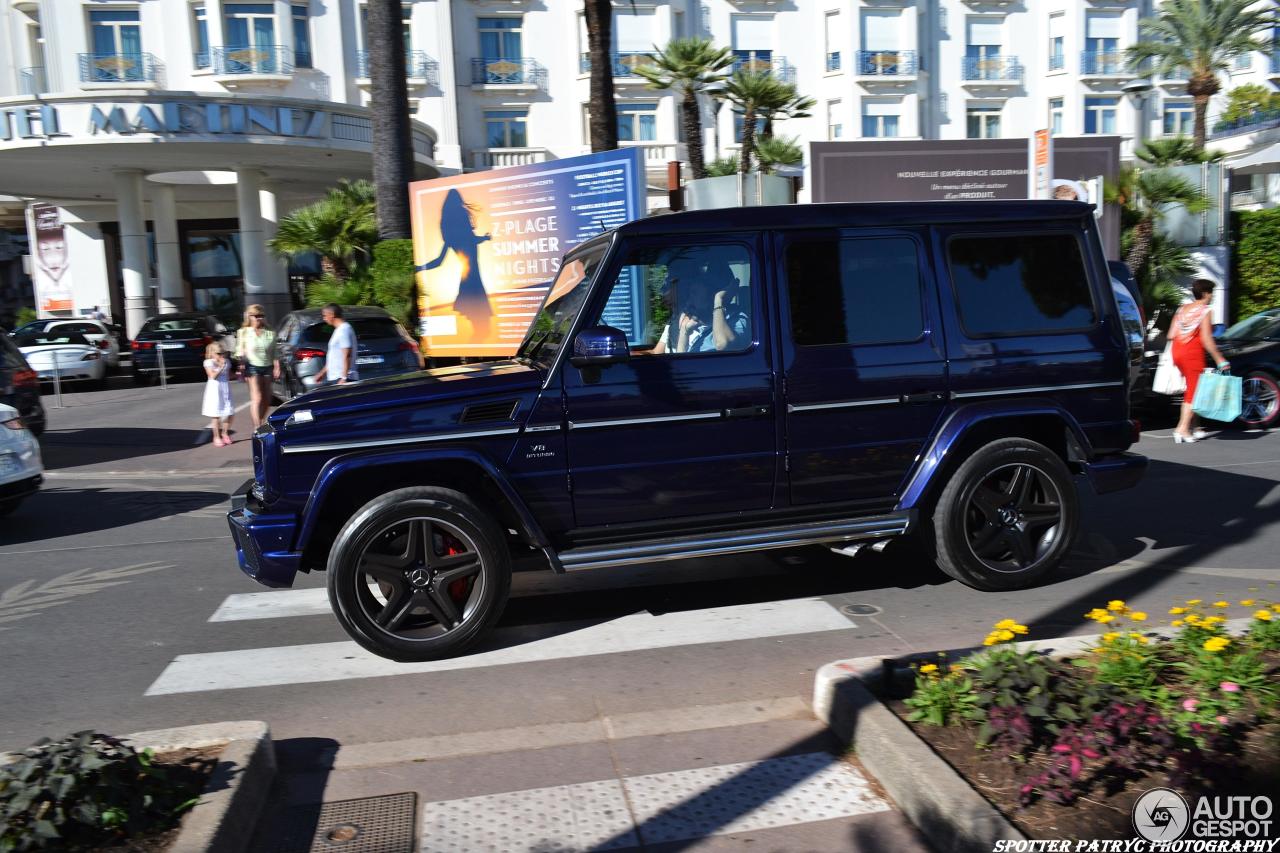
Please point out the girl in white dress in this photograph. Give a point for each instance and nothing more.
(217, 394)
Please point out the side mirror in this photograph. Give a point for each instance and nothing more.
(600, 346)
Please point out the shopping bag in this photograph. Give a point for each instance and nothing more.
(1218, 396)
(1168, 378)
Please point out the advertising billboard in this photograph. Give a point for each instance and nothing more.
(486, 245)
(51, 273)
(960, 169)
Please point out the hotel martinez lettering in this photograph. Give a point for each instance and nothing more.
(173, 118)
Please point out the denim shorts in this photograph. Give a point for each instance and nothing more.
(255, 370)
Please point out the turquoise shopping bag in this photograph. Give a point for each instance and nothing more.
(1218, 396)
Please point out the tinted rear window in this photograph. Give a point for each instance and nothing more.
(366, 329)
(861, 291)
(1020, 284)
(50, 339)
(178, 324)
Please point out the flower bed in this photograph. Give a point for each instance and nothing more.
(1063, 747)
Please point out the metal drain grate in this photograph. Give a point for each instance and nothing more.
(366, 825)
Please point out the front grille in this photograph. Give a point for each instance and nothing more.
(503, 410)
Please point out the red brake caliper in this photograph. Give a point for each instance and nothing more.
(457, 589)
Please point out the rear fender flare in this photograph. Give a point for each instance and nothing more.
(962, 422)
(341, 467)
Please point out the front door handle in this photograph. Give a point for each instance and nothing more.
(923, 397)
(746, 412)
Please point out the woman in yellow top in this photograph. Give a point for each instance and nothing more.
(256, 349)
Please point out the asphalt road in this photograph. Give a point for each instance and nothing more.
(110, 576)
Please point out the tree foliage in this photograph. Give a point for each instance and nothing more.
(760, 95)
(1258, 246)
(690, 67)
(341, 228)
(1244, 102)
(1174, 151)
(774, 151)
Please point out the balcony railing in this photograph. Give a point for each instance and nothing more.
(33, 80)
(886, 63)
(764, 62)
(259, 59)
(497, 71)
(1260, 120)
(994, 69)
(417, 65)
(833, 60)
(117, 68)
(624, 64)
(658, 154)
(1057, 61)
(1246, 198)
(1103, 62)
(496, 158)
(201, 61)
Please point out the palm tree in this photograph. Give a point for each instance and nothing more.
(1174, 151)
(755, 94)
(1147, 195)
(341, 228)
(774, 151)
(1200, 38)
(603, 109)
(1167, 265)
(797, 107)
(392, 137)
(689, 67)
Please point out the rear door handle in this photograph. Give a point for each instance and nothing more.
(746, 412)
(923, 397)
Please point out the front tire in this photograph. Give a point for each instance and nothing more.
(1007, 517)
(1259, 400)
(419, 574)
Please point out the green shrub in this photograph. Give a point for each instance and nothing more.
(25, 316)
(84, 791)
(329, 288)
(1258, 262)
(393, 284)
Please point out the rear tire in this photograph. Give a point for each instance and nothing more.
(1259, 400)
(419, 574)
(1007, 517)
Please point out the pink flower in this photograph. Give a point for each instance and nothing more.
(1222, 719)
(1229, 687)
(1189, 704)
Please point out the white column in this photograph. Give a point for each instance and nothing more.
(449, 144)
(284, 27)
(164, 217)
(276, 273)
(253, 251)
(133, 248)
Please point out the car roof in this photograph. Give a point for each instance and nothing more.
(845, 215)
(349, 312)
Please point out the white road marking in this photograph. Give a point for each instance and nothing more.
(653, 809)
(635, 632)
(273, 605)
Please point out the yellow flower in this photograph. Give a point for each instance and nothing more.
(1210, 621)
(1177, 623)
(1216, 644)
(1005, 624)
(1110, 636)
(1138, 616)
(990, 640)
(1276, 607)
(928, 668)
(1222, 604)
(1116, 606)
(1138, 637)
(1193, 618)
(956, 667)
(1193, 601)
(1019, 629)
(1246, 602)
(1104, 619)
(1004, 635)
(1096, 614)
(1263, 616)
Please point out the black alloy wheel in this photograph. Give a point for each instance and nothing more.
(1259, 400)
(1007, 517)
(418, 574)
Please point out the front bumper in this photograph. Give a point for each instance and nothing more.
(1115, 472)
(263, 540)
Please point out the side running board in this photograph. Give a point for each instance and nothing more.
(734, 542)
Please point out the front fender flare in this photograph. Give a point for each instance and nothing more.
(961, 423)
(340, 466)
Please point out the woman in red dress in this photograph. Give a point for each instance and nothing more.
(1191, 333)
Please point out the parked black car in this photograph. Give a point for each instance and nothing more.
(19, 385)
(383, 347)
(1253, 348)
(181, 338)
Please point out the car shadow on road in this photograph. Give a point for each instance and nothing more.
(73, 448)
(67, 511)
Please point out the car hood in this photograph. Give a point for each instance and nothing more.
(413, 389)
(1240, 347)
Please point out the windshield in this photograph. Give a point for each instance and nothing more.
(172, 324)
(54, 338)
(366, 329)
(562, 303)
(1257, 327)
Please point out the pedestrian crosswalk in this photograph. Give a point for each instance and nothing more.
(317, 662)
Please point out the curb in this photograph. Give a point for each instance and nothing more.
(224, 819)
(948, 811)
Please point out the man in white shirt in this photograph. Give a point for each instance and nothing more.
(340, 360)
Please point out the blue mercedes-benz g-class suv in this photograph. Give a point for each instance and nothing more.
(715, 382)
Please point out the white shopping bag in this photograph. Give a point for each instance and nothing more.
(1168, 378)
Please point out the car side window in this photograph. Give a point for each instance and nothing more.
(855, 291)
(1024, 284)
(683, 300)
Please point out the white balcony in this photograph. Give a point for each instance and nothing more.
(496, 158)
(658, 154)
